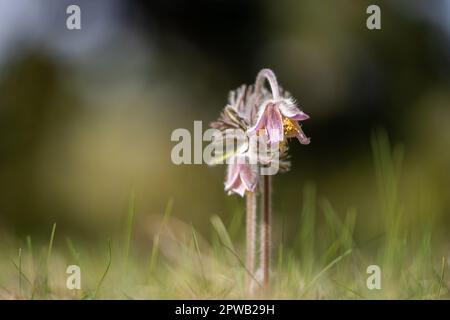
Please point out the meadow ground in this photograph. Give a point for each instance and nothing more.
(177, 262)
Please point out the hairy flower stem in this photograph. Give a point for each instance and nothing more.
(251, 238)
(265, 232)
(267, 74)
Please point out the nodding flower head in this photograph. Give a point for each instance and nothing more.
(278, 117)
(263, 113)
(241, 176)
(279, 121)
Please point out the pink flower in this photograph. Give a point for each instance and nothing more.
(279, 120)
(240, 176)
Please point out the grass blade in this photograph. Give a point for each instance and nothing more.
(328, 267)
(197, 249)
(73, 252)
(20, 272)
(155, 244)
(221, 231)
(130, 225)
(106, 270)
(50, 244)
(442, 277)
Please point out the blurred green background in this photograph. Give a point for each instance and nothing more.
(86, 115)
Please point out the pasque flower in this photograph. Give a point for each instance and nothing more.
(241, 177)
(278, 117)
(273, 116)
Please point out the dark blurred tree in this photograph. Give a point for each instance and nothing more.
(35, 105)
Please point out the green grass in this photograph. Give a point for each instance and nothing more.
(323, 259)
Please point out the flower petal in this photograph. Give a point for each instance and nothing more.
(289, 110)
(237, 187)
(274, 125)
(248, 178)
(302, 137)
(240, 190)
(261, 118)
(232, 175)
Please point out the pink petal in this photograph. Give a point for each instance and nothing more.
(237, 187)
(240, 190)
(302, 137)
(261, 118)
(248, 178)
(240, 178)
(232, 175)
(274, 125)
(289, 110)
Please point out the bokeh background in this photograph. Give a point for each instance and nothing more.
(86, 115)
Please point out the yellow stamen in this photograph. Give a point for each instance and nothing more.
(289, 127)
